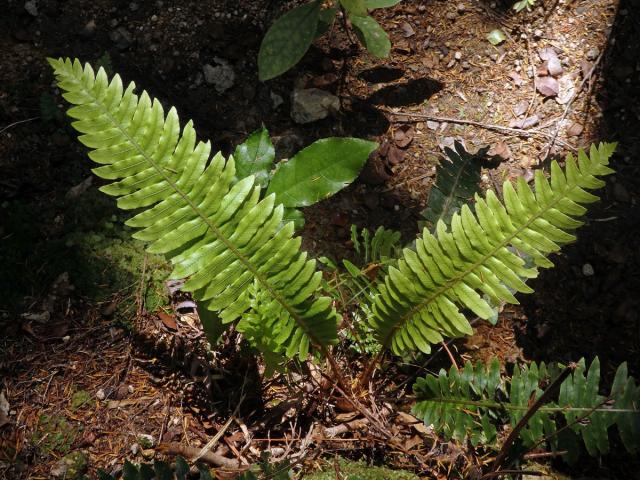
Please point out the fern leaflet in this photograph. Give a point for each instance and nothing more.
(418, 302)
(216, 230)
(470, 402)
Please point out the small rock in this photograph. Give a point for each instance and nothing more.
(100, 395)
(575, 129)
(554, 67)
(146, 440)
(587, 270)
(130, 389)
(452, 15)
(537, 34)
(121, 37)
(135, 448)
(466, 65)
(276, 100)
(431, 125)
(71, 466)
(460, 8)
(89, 29)
(592, 54)
(31, 7)
(566, 89)
(311, 104)
(458, 55)
(221, 76)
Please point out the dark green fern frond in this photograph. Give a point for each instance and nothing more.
(218, 234)
(419, 301)
(472, 402)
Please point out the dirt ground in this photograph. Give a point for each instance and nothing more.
(442, 81)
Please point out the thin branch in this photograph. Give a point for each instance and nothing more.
(488, 126)
(11, 125)
(544, 398)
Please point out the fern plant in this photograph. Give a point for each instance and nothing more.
(471, 402)
(242, 261)
(486, 253)
(217, 232)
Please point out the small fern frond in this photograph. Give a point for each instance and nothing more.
(217, 232)
(468, 404)
(419, 301)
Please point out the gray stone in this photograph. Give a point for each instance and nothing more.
(311, 104)
(592, 54)
(121, 37)
(31, 7)
(222, 76)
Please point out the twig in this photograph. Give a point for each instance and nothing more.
(567, 109)
(488, 126)
(18, 123)
(544, 398)
(453, 360)
(207, 448)
(209, 457)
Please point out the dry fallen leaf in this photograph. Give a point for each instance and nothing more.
(547, 86)
(169, 321)
(521, 108)
(501, 149)
(525, 122)
(575, 129)
(403, 136)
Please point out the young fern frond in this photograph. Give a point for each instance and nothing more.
(467, 403)
(419, 301)
(217, 231)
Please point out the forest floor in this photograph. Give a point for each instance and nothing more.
(73, 285)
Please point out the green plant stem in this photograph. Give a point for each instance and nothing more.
(544, 398)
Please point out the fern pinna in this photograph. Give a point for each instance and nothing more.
(483, 255)
(216, 230)
(470, 402)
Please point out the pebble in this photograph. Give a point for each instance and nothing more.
(100, 395)
(222, 76)
(592, 54)
(458, 55)
(31, 7)
(587, 270)
(311, 104)
(537, 34)
(461, 8)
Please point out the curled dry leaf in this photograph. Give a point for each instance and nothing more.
(566, 89)
(169, 321)
(403, 136)
(525, 122)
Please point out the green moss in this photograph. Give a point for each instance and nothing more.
(91, 243)
(80, 399)
(361, 471)
(54, 434)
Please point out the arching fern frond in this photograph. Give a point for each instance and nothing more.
(419, 301)
(471, 402)
(217, 232)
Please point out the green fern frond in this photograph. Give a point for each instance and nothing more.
(419, 301)
(469, 404)
(217, 232)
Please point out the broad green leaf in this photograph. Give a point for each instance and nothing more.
(292, 214)
(355, 7)
(371, 4)
(288, 40)
(255, 157)
(319, 171)
(372, 36)
(496, 37)
(325, 20)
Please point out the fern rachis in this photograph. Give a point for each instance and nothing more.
(217, 231)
